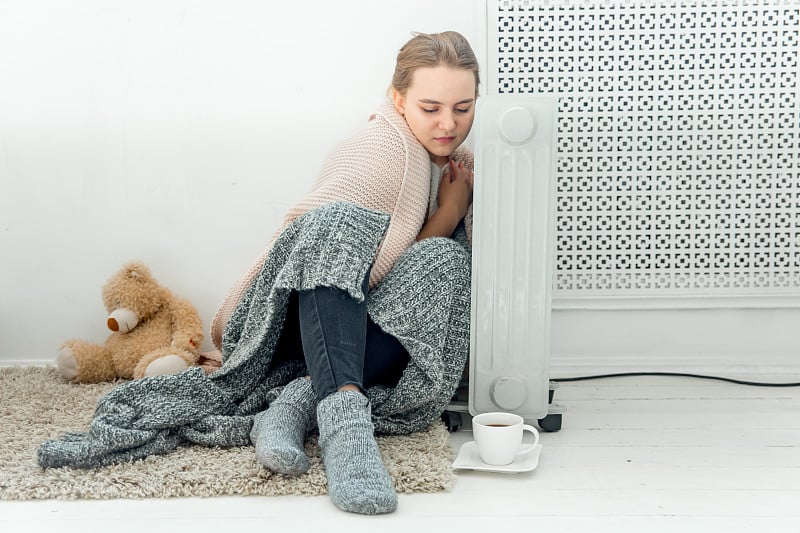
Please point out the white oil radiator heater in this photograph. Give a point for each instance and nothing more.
(513, 247)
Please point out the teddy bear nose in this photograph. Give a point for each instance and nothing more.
(122, 320)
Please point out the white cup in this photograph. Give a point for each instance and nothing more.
(499, 437)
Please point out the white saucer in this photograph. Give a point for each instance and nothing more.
(468, 459)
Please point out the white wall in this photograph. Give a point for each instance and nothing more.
(175, 132)
(178, 132)
(725, 341)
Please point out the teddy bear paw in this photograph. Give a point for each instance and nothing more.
(169, 364)
(66, 363)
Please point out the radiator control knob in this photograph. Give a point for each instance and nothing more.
(516, 125)
(508, 393)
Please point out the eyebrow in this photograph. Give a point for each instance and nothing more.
(436, 102)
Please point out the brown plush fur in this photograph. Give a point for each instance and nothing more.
(168, 325)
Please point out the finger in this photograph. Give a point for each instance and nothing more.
(447, 177)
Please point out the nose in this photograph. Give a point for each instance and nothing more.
(447, 121)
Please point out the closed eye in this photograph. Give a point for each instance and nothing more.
(458, 110)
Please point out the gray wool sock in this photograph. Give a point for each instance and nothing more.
(357, 479)
(279, 433)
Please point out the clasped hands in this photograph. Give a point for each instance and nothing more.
(455, 188)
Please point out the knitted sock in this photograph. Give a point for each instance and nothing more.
(279, 432)
(357, 480)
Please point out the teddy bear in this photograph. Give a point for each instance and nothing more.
(153, 332)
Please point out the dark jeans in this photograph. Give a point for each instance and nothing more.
(340, 343)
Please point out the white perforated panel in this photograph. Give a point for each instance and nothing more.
(678, 136)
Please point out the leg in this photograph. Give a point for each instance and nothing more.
(84, 362)
(385, 358)
(334, 332)
(357, 479)
(333, 327)
(279, 433)
(164, 361)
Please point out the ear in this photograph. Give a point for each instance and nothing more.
(399, 102)
(136, 270)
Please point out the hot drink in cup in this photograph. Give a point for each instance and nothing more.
(499, 437)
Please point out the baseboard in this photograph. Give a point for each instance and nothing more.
(784, 368)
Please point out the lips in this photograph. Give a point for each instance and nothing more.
(444, 140)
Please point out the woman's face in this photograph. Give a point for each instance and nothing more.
(439, 108)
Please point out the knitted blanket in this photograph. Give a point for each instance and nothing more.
(423, 301)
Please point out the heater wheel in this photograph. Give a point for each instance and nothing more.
(551, 422)
(452, 421)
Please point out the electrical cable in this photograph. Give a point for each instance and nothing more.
(678, 374)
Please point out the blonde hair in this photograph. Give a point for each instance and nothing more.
(449, 49)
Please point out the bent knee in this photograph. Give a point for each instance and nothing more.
(440, 246)
(437, 255)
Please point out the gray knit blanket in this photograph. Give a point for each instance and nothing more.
(424, 301)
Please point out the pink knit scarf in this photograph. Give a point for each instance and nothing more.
(383, 168)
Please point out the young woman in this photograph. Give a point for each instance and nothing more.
(427, 192)
(354, 320)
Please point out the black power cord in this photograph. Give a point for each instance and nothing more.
(678, 374)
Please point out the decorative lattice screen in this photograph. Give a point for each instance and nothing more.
(678, 136)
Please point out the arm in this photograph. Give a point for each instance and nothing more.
(454, 198)
(187, 328)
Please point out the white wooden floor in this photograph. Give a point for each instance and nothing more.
(635, 454)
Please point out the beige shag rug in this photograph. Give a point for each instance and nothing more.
(36, 405)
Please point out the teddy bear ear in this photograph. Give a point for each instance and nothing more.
(136, 270)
